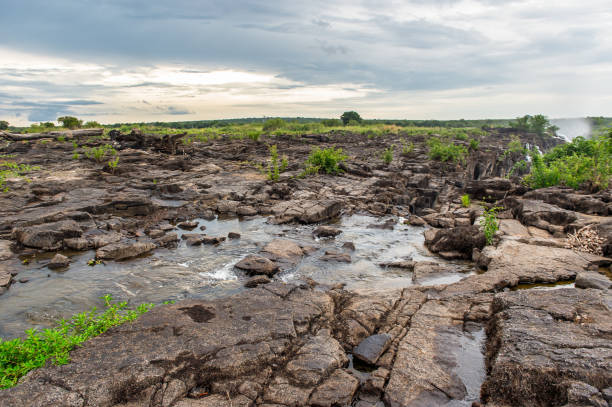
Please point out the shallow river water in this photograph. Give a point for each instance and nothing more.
(208, 271)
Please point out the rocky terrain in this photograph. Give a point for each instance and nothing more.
(531, 327)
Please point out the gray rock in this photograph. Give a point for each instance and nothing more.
(254, 264)
(188, 225)
(233, 235)
(326, 231)
(124, 250)
(256, 280)
(333, 255)
(48, 236)
(59, 261)
(372, 347)
(589, 279)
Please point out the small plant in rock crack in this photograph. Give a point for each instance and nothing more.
(388, 154)
(327, 160)
(93, 262)
(465, 201)
(99, 153)
(407, 148)
(490, 223)
(112, 164)
(273, 167)
(284, 164)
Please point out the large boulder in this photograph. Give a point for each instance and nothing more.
(540, 214)
(283, 251)
(540, 344)
(567, 198)
(495, 188)
(254, 264)
(306, 211)
(48, 236)
(462, 239)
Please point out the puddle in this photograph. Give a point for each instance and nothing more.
(360, 370)
(206, 272)
(544, 286)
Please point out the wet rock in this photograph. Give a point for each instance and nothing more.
(193, 240)
(202, 227)
(256, 280)
(5, 276)
(213, 239)
(404, 264)
(326, 231)
(461, 239)
(124, 250)
(48, 236)
(333, 255)
(306, 211)
(348, 246)
(188, 225)
(254, 264)
(233, 235)
(227, 206)
(337, 390)
(5, 250)
(98, 238)
(538, 341)
(587, 279)
(389, 224)
(283, 250)
(168, 239)
(156, 233)
(59, 261)
(439, 220)
(246, 211)
(372, 347)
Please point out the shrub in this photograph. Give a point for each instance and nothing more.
(4, 125)
(407, 148)
(112, 164)
(19, 356)
(99, 153)
(274, 124)
(490, 223)
(91, 124)
(465, 201)
(70, 122)
(347, 117)
(326, 160)
(331, 122)
(446, 151)
(581, 163)
(254, 135)
(387, 155)
(273, 168)
(474, 144)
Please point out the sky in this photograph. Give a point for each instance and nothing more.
(160, 60)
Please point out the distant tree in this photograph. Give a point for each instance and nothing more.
(348, 116)
(91, 124)
(4, 124)
(47, 125)
(538, 124)
(521, 123)
(70, 122)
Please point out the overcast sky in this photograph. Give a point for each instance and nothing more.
(162, 60)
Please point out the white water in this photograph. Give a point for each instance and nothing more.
(569, 129)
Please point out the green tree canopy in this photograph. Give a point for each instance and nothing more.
(4, 124)
(348, 116)
(70, 122)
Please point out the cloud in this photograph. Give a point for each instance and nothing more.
(219, 54)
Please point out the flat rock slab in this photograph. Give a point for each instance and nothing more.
(124, 250)
(540, 342)
(254, 264)
(372, 347)
(589, 279)
(48, 236)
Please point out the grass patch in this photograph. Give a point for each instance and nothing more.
(19, 356)
(10, 169)
(465, 201)
(446, 150)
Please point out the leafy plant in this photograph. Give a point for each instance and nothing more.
(273, 168)
(9, 169)
(284, 164)
(490, 223)
(61, 139)
(76, 156)
(407, 148)
(326, 160)
(465, 201)
(446, 151)
(18, 356)
(387, 155)
(99, 153)
(474, 144)
(274, 124)
(112, 164)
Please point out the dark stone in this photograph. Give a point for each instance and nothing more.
(326, 231)
(462, 239)
(233, 235)
(59, 261)
(254, 264)
(188, 225)
(198, 313)
(372, 347)
(256, 280)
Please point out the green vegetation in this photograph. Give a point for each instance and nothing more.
(538, 124)
(70, 122)
(331, 122)
(273, 168)
(465, 201)
(474, 144)
(327, 160)
(273, 124)
(99, 153)
(352, 116)
(444, 151)
(19, 356)
(92, 125)
(9, 169)
(490, 223)
(4, 125)
(580, 164)
(387, 155)
(407, 148)
(112, 164)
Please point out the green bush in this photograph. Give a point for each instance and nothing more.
(70, 122)
(581, 163)
(352, 116)
(274, 124)
(474, 144)
(326, 160)
(19, 356)
(465, 201)
(387, 155)
(99, 153)
(4, 125)
(446, 151)
(490, 223)
(273, 168)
